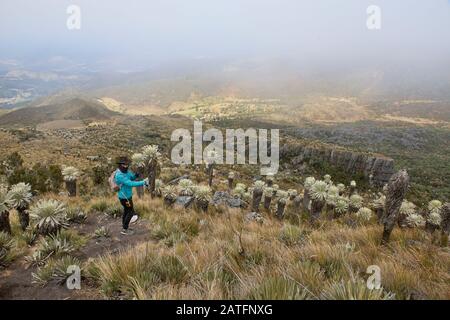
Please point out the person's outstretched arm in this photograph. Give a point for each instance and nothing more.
(125, 180)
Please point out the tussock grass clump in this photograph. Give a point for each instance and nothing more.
(114, 211)
(135, 272)
(355, 289)
(309, 275)
(115, 273)
(170, 269)
(59, 245)
(278, 288)
(29, 236)
(172, 230)
(6, 244)
(102, 232)
(100, 206)
(43, 274)
(55, 270)
(291, 235)
(75, 215)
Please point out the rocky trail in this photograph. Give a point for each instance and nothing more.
(16, 280)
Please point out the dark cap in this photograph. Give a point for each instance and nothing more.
(123, 160)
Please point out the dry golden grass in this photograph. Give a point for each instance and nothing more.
(220, 256)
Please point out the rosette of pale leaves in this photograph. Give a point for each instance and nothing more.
(407, 208)
(138, 160)
(158, 186)
(333, 190)
(282, 196)
(292, 193)
(70, 173)
(6, 244)
(356, 201)
(341, 187)
(202, 193)
(239, 190)
(268, 192)
(169, 192)
(353, 183)
(5, 200)
(415, 220)
(57, 244)
(364, 214)
(434, 216)
(231, 175)
(435, 206)
(379, 202)
(20, 195)
(309, 182)
(319, 191)
(259, 185)
(332, 199)
(151, 153)
(186, 187)
(48, 215)
(341, 205)
(247, 196)
(327, 178)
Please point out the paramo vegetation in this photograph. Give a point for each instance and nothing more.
(215, 234)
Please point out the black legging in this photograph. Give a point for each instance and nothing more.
(128, 212)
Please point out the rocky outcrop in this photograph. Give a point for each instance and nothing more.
(378, 168)
(254, 216)
(224, 198)
(184, 201)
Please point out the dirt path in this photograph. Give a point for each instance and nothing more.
(15, 281)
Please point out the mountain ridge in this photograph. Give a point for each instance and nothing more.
(74, 109)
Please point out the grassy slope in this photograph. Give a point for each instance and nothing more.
(192, 255)
(200, 257)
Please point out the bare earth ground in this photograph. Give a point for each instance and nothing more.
(15, 282)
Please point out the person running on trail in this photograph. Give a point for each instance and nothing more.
(125, 180)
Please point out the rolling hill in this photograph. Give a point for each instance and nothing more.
(75, 109)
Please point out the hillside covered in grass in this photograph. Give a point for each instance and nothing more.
(238, 239)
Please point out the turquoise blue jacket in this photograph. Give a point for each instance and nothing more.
(126, 183)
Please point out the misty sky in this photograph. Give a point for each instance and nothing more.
(412, 31)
